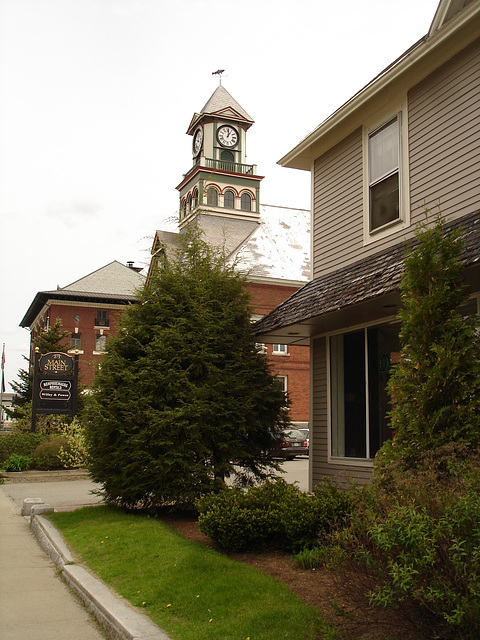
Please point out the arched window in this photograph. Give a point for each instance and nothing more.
(227, 156)
(183, 207)
(229, 199)
(195, 198)
(246, 202)
(189, 202)
(212, 197)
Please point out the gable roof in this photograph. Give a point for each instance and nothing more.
(364, 282)
(112, 284)
(277, 247)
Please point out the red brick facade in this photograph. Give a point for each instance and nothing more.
(85, 329)
(294, 362)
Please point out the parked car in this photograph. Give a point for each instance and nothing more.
(290, 443)
(306, 434)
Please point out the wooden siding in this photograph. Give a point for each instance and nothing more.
(337, 205)
(321, 467)
(444, 144)
(444, 137)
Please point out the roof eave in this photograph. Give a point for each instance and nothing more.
(420, 60)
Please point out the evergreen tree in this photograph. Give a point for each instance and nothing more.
(54, 339)
(435, 387)
(183, 398)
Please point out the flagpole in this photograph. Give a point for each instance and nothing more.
(2, 388)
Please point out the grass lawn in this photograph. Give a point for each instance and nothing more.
(190, 591)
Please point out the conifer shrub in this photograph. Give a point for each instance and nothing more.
(272, 515)
(47, 455)
(183, 399)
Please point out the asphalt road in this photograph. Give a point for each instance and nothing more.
(76, 493)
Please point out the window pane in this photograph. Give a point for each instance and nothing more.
(348, 395)
(383, 350)
(229, 200)
(383, 151)
(384, 202)
(100, 342)
(246, 202)
(212, 197)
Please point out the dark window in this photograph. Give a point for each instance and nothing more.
(101, 319)
(246, 202)
(359, 369)
(229, 200)
(212, 197)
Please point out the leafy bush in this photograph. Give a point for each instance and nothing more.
(274, 514)
(22, 444)
(47, 455)
(16, 462)
(417, 532)
(74, 455)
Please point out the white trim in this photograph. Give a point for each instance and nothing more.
(345, 461)
(401, 112)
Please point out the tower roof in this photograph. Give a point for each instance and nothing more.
(221, 105)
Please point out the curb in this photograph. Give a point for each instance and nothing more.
(59, 475)
(119, 619)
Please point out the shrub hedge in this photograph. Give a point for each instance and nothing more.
(417, 531)
(274, 514)
(47, 455)
(22, 444)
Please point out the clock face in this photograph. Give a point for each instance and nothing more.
(197, 141)
(227, 136)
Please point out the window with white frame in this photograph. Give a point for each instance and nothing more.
(280, 349)
(384, 175)
(360, 364)
(100, 342)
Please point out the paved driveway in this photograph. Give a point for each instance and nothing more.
(68, 494)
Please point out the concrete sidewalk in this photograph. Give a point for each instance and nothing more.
(34, 603)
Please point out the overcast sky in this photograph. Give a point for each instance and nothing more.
(96, 97)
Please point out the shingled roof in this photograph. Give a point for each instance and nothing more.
(360, 282)
(112, 284)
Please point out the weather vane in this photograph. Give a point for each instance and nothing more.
(219, 74)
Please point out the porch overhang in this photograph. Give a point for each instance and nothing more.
(366, 291)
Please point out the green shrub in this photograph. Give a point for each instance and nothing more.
(310, 558)
(16, 462)
(22, 444)
(417, 531)
(74, 455)
(274, 514)
(47, 455)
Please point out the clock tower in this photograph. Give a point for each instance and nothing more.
(220, 183)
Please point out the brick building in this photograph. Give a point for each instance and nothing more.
(90, 310)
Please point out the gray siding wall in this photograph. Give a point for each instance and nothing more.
(444, 136)
(321, 468)
(444, 149)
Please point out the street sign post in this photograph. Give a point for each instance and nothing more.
(55, 379)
